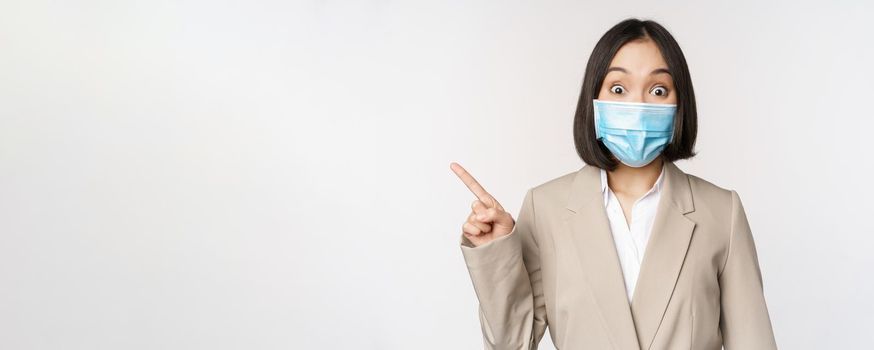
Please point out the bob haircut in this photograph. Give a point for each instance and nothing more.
(590, 149)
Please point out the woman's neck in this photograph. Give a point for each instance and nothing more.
(634, 181)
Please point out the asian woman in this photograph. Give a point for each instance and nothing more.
(629, 251)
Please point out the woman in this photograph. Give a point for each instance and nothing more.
(628, 252)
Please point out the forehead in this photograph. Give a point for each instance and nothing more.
(639, 57)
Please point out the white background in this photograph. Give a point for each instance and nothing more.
(275, 175)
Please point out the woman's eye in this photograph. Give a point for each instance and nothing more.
(617, 89)
(658, 91)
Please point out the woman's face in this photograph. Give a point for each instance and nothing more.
(638, 73)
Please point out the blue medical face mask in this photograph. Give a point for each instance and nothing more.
(636, 133)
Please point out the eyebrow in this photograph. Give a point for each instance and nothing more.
(654, 71)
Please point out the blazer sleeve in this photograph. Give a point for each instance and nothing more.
(744, 320)
(508, 283)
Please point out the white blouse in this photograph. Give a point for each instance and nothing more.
(631, 241)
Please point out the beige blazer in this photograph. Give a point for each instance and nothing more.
(699, 286)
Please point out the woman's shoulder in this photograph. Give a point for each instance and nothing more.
(711, 197)
(549, 197)
(706, 187)
(557, 186)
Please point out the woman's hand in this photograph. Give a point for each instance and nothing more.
(487, 220)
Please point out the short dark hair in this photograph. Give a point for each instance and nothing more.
(591, 150)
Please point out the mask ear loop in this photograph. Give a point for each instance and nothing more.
(595, 120)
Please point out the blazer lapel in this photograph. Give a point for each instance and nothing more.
(664, 255)
(631, 327)
(589, 227)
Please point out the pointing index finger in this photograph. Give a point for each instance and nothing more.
(472, 184)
